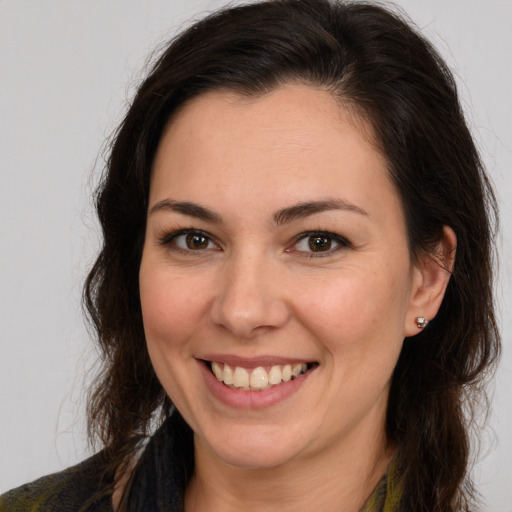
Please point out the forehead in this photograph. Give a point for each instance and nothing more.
(291, 107)
(296, 140)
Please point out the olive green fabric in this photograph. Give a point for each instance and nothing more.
(158, 484)
(386, 496)
(69, 490)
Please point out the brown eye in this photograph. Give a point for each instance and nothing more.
(196, 241)
(319, 243)
(189, 241)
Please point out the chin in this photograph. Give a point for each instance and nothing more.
(256, 448)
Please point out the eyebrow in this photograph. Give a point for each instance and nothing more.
(186, 208)
(289, 214)
(302, 210)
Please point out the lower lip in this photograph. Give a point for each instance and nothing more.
(251, 399)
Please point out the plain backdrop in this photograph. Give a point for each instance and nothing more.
(67, 69)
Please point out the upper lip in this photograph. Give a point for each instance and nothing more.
(255, 361)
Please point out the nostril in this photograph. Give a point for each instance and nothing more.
(249, 320)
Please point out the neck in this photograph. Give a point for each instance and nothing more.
(323, 481)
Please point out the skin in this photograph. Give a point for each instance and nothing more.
(255, 290)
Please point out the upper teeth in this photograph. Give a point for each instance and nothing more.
(259, 378)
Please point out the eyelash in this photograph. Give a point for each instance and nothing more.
(169, 239)
(342, 242)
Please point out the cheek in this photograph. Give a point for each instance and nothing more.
(171, 306)
(356, 312)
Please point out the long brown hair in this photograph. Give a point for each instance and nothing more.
(377, 64)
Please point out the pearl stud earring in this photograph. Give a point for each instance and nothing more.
(421, 322)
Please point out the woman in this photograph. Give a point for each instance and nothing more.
(295, 283)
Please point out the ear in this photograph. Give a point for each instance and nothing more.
(431, 274)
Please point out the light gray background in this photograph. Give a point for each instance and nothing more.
(66, 70)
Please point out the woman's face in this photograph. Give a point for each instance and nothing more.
(275, 245)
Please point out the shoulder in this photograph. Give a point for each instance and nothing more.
(70, 490)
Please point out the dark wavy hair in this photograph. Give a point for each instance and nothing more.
(376, 64)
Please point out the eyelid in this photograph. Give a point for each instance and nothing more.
(168, 237)
(341, 242)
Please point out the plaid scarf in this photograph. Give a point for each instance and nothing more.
(386, 496)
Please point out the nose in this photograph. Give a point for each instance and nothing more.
(251, 298)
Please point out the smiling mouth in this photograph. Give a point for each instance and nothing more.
(260, 378)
